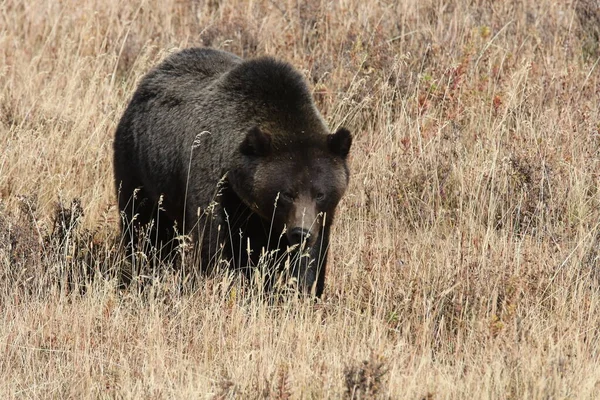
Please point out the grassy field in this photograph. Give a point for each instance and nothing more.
(465, 255)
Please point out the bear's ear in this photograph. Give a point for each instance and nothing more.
(339, 142)
(256, 143)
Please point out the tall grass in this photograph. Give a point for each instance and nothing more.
(464, 258)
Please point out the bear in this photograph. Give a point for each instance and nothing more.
(234, 154)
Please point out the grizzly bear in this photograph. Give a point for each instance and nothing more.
(234, 154)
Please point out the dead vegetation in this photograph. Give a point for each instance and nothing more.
(464, 257)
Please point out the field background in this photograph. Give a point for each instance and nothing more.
(465, 255)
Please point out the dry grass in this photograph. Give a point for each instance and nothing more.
(465, 256)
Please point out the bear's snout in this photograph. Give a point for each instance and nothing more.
(303, 222)
(300, 236)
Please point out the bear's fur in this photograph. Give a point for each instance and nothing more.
(238, 157)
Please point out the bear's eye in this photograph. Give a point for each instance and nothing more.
(320, 196)
(287, 196)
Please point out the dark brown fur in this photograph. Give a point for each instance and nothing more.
(235, 136)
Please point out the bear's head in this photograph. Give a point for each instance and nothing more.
(294, 184)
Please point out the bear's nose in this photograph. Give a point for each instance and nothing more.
(298, 236)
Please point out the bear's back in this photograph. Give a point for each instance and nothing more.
(271, 94)
(183, 76)
(198, 63)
